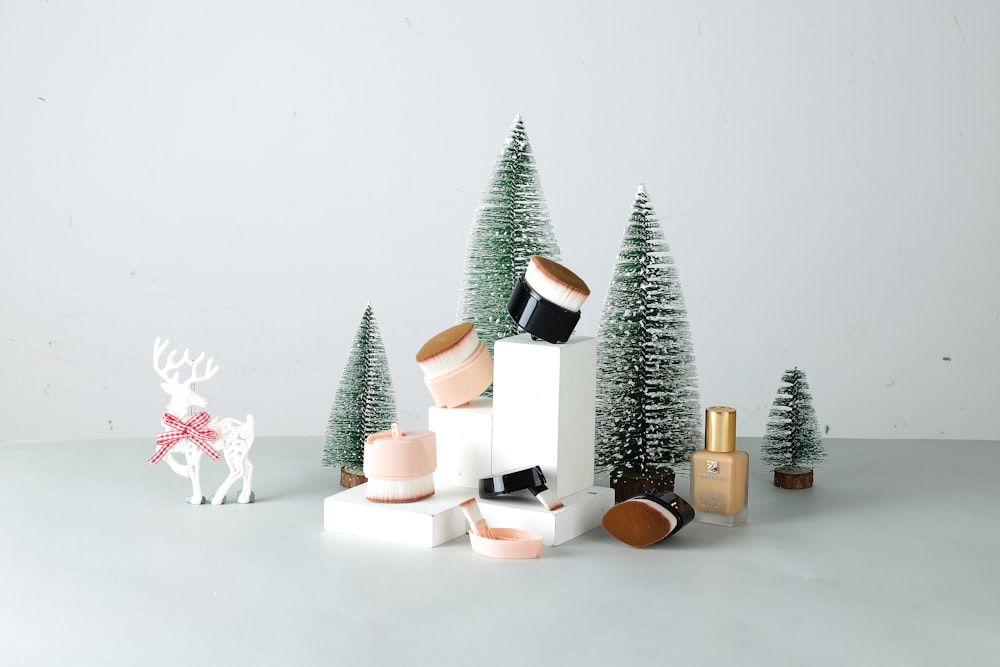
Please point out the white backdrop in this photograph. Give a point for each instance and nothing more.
(243, 177)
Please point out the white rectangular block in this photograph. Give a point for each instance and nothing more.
(543, 409)
(425, 523)
(464, 442)
(582, 512)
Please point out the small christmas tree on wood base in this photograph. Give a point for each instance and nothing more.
(648, 419)
(364, 404)
(511, 225)
(792, 442)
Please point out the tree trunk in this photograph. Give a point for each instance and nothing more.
(350, 479)
(788, 477)
(630, 485)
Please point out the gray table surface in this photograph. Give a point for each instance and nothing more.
(893, 558)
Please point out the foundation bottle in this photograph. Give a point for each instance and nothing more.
(719, 472)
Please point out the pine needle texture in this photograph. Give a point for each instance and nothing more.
(648, 415)
(511, 225)
(792, 437)
(365, 402)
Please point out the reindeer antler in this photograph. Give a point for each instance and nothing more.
(210, 369)
(172, 364)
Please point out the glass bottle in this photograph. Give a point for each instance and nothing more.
(719, 472)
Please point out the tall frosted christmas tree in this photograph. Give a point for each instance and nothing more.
(648, 421)
(365, 403)
(792, 442)
(512, 224)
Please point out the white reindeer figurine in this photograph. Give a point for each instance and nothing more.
(194, 435)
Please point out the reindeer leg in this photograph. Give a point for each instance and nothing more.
(246, 493)
(193, 457)
(234, 474)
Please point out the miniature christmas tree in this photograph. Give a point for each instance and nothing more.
(364, 404)
(648, 419)
(511, 225)
(792, 442)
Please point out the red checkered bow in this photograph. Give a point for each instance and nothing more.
(193, 430)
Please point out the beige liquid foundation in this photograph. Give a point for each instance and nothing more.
(719, 472)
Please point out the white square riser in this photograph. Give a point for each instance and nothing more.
(425, 523)
(464, 443)
(543, 409)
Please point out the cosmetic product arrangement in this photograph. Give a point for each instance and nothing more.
(546, 300)
(526, 479)
(456, 364)
(400, 465)
(647, 518)
(719, 472)
(541, 411)
(542, 384)
(548, 385)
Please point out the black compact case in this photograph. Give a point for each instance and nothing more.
(540, 317)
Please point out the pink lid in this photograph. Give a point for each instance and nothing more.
(413, 454)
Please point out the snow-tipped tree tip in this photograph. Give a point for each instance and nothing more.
(641, 190)
(518, 135)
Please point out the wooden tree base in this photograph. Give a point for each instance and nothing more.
(630, 485)
(787, 477)
(350, 479)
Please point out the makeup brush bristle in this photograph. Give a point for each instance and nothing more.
(477, 524)
(400, 490)
(549, 499)
(448, 349)
(555, 283)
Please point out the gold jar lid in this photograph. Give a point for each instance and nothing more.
(720, 429)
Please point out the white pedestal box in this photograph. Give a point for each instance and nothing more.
(581, 513)
(543, 409)
(438, 519)
(425, 523)
(464, 443)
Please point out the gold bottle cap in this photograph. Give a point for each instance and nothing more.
(720, 429)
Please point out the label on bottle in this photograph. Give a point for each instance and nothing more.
(719, 482)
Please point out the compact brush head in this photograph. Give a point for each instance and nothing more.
(648, 518)
(555, 283)
(638, 522)
(448, 349)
